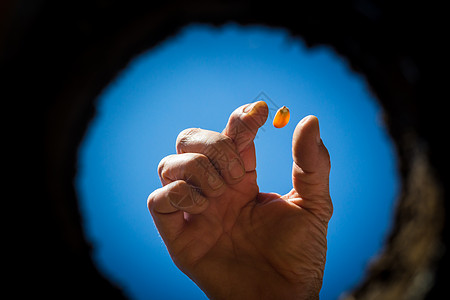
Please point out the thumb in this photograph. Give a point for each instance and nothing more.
(311, 167)
(242, 127)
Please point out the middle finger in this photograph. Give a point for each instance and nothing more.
(193, 168)
(218, 147)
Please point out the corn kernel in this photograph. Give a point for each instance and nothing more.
(281, 117)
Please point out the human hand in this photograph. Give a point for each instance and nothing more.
(231, 240)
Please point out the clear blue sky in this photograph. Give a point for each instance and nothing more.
(196, 79)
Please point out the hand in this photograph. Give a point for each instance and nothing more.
(231, 240)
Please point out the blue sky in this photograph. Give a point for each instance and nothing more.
(196, 79)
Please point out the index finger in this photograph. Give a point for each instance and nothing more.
(242, 127)
(244, 123)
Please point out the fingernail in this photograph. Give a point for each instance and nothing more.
(250, 107)
(236, 169)
(214, 181)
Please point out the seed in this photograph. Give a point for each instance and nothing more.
(281, 117)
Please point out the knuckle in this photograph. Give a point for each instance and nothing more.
(178, 187)
(227, 142)
(200, 162)
(163, 168)
(221, 148)
(229, 146)
(184, 137)
(220, 140)
(326, 209)
(151, 200)
(198, 168)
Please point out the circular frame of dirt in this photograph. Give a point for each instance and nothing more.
(57, 56)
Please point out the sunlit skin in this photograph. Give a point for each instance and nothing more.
(281, 117)
(233, 241)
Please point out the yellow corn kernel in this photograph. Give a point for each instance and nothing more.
(281, 117)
